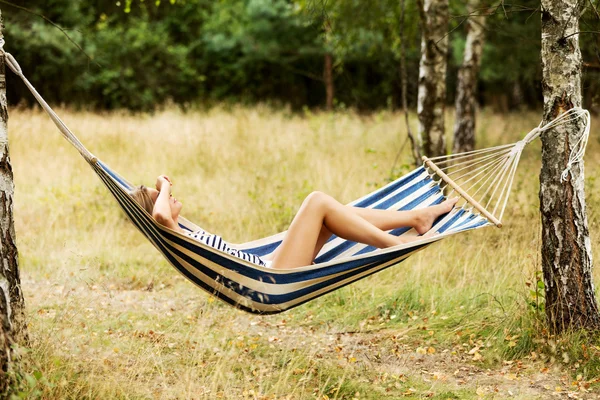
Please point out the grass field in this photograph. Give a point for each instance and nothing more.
(110, 319)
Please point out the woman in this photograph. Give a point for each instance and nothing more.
(319, 217)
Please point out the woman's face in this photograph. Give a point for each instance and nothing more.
(176, 205)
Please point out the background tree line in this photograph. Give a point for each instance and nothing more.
(314, 53)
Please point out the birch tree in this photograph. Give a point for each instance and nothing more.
(566, 246)
(12, 322)
(431, 103)
(466, 96)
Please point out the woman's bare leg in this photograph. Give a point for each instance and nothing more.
(422, 219)
(324, 236)
(320, 216)
(317, 211)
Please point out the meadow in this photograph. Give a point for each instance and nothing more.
(108, 318)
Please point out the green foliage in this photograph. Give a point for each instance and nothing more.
(537, 301)
(501, 64)
(145, 53)
(254, 48)
(147, 71)
(45, 54)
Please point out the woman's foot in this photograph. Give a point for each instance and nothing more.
(427, 216)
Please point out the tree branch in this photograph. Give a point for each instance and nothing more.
(452, 30)
(478, 11)
(577, 33)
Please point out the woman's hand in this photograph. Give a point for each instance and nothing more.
(163, 180)
(162, 211)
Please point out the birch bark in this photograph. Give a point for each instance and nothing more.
(466, 100)
(566, 247)
(431, 103)
(12, 321)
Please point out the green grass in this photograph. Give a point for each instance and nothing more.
(109, 318)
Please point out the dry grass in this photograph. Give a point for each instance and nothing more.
(110, 319)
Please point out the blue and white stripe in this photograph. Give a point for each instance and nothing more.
(218, 243)
(263, 290)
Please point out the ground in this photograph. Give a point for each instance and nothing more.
(109, 318)
(379, 362)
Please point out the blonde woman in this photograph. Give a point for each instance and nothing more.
(319, 217)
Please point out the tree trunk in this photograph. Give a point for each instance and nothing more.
(416, 150)
(466, 97)
(328, 79)
(566, 246)
(517, 96)
(432, 75)
(12, 321)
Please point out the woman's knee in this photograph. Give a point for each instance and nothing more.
(318, 200)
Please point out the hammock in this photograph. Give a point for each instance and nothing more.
(482, 178)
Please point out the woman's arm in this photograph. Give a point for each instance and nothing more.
(162, 207)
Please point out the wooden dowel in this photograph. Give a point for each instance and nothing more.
(461, 192)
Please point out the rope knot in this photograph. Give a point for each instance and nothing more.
(12, 63)
(578, 150)
(532, 135)
(565, 174)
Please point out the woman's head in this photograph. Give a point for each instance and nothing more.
(146, 197)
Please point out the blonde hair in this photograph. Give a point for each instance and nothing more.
(141, 195)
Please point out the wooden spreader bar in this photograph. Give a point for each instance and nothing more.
(461, 192)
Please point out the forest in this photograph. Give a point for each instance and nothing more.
(144, 54)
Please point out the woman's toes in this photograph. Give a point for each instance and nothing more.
(450, 203)
(427, 216)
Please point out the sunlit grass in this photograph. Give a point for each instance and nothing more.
(109, 318)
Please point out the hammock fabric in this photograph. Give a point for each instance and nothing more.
(482, 178)
(266, 290)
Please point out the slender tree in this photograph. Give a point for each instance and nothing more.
(466, 96)
(416, 151)
(566, 245)
(432, 75)
(328, 69)
(12, 322)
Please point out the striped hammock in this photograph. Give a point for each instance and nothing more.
(482, 178)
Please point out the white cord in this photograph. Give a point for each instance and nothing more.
(578, 150)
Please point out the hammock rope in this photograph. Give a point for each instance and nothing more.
(62, 127)
(483, 178)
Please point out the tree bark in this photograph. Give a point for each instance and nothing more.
(432, 75)
(12, 321)
(466, 97)
(566, 247)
